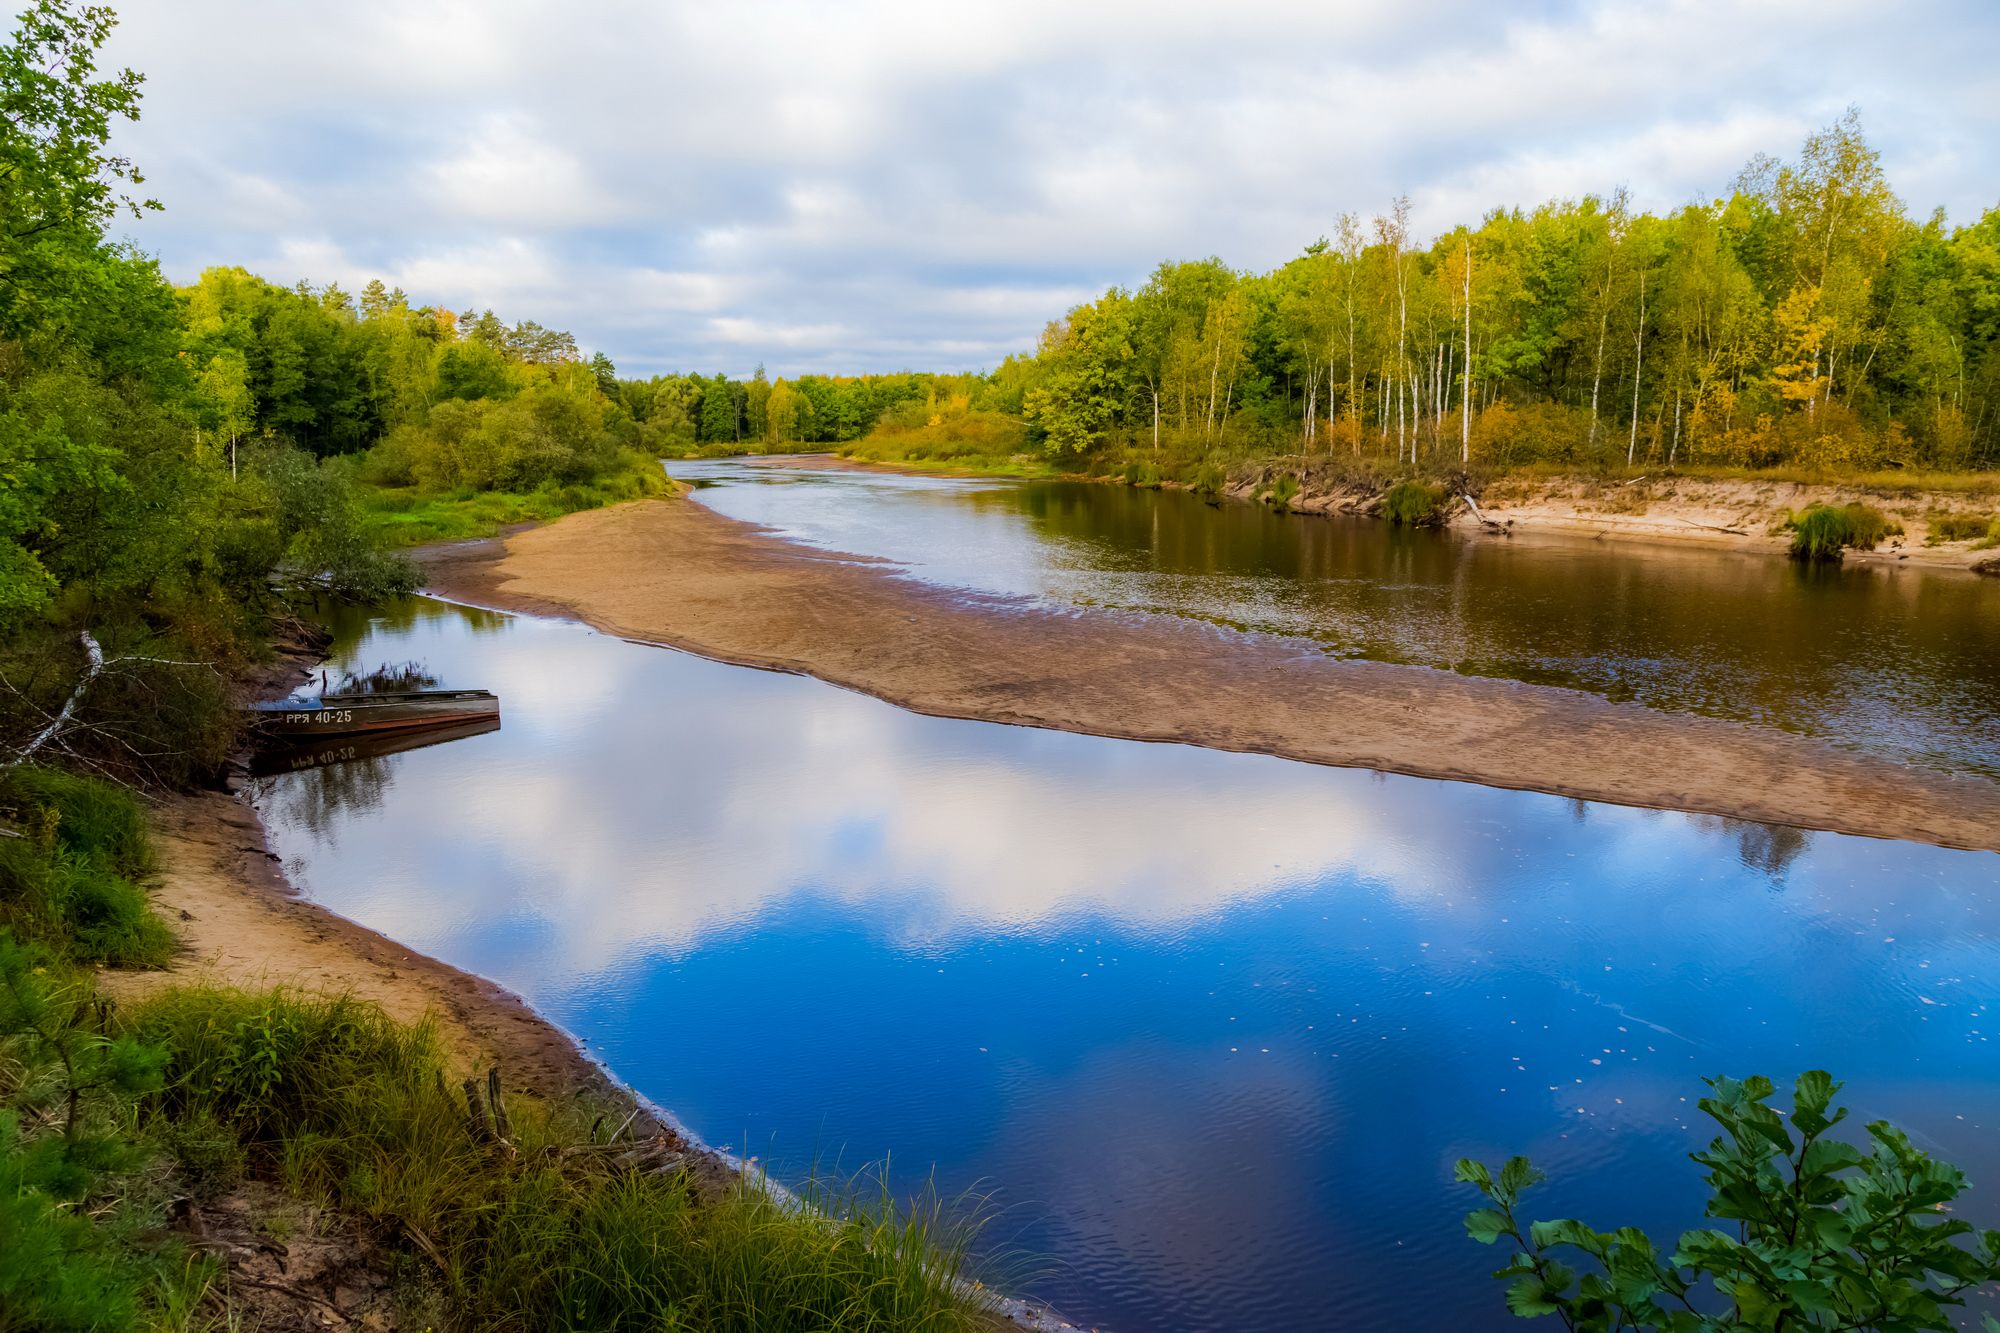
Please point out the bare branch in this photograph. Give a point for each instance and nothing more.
(94, 653)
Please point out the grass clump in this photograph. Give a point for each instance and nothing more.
(1414, 504)
(69, 882)
(1208, 480)
(347, 1107)
(1822, 532)
(1983, 530)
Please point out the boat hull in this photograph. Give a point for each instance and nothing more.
(363, 714)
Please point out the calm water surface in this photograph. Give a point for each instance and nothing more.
(1214, 1026)
(1897, 661)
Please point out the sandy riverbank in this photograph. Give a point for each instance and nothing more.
(240, 924)
(1671, 509)
(678, 574)
(1725, 513)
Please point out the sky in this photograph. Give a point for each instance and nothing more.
(884, 185)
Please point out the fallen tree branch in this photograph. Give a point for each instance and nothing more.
(94, 653)
(1479, 514)
(64, 720)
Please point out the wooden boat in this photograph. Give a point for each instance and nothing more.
(282, 754)
(348, 714)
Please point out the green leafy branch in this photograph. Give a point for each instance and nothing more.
(1826, 1236)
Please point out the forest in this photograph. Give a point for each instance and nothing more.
(1801, 319)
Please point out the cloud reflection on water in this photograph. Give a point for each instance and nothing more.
(1216, 1022)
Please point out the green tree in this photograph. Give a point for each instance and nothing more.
(60, 179)
(1088, 382)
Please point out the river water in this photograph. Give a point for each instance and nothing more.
(1211, 1028)
(1894, 660)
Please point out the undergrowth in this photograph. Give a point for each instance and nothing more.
(1414, 504)
(347, 1107)
(1982, 530)
(70, 879)
(402, 516)
(1822, 532)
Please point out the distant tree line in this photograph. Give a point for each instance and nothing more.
(1804, 318)
(697, 410)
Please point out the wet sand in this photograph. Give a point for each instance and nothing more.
(674, 573)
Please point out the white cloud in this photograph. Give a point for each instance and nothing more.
(895, 184)
(509, 174)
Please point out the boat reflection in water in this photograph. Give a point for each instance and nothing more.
(291, 756)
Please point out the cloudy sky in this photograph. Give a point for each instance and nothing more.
(886, 185)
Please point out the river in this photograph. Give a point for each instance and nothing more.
(1895, 661)
(1211, 1028)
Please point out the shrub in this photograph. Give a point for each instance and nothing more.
(1413, 504)
(1821, 1234)
(1981, 528)
(92, 817)
(57, 1270)
(327, 542)
(1536, 432)
(1279, 491)
(1209, 479)
(1822, 531)
(67, 885)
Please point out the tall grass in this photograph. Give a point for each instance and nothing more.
(1414, 504)
(1822, 532)
(1981, 529)
(70, 882)
(344, 1105)
(92, 817)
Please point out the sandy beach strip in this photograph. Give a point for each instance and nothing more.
(675, 573)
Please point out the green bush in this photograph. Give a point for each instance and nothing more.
(1821, 1235)
(80, 1242)
(1209, 479)
(67, 885)
(58, 1271)
(1823, 532)
(1983, 529)
(1414, 504)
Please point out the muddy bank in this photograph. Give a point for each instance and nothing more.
(678, 574)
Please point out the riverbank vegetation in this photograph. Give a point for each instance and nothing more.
(1821, 1234)
(1802, 322)
(1822, 532)
(1801, 319)
(180, 465)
